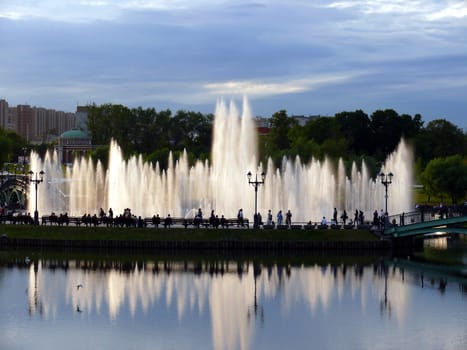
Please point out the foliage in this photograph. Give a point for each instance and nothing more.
(151, 133)
(6, 148)
(446, 176)
(440, 138)
(351, 135)
(101, 153)
(348, 135)
(12, 146)
(279, 141)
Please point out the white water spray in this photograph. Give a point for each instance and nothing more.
(310, 191)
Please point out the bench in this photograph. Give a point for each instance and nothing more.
(226, 223)
(17, 219)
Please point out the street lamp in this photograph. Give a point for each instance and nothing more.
(386, 180)
(256, 183)
(36, 181)
(25, 150)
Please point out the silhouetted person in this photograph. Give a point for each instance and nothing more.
(168, 221)
(240, 218)
(288, 218)
(156, 220)
(223, 222)
(279, 217)
(344, 216)
(140, 222)
(269, 218)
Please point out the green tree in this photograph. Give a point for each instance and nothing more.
(6, 148)
(101, 153)
(387, 128)
(110, 121)
(281, 124)
(440, 138)
(446, 176)
(278, 142)
(321, 129)
(191, 131)
(355, 128)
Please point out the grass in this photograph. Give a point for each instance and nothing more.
(420, 197)
(180, 234)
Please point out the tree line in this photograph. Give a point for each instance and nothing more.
(353, 135)
(150, 133)
(440, 146)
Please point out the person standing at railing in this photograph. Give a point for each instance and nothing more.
(288, 218)
(344, 216)
(269, 218)
(279, 218)
(240, 217)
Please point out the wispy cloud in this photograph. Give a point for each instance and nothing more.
(455, 10)
(256, 88)
(422, 9)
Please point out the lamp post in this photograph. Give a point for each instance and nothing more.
(255, 184)
(25, 150)
(36, 181)
(386, 180)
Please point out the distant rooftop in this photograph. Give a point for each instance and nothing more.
(74, 134)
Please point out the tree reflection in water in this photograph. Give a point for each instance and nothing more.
(229, 297)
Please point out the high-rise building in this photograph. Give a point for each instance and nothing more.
(4, 115)
(40, 124)
(82, 117)
(25, 123)
(36, 124)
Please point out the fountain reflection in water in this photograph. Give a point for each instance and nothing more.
(310, 190)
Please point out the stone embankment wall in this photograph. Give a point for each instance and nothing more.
(196, 245)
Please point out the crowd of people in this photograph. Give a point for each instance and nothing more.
(128, 219)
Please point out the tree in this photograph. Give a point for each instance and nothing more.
(440, 138)
(278, 142)
(101, 153)
(446, 176)
(6, 148)
(12, 145)
(387, 128)
(191, 131)
(321, 129)
(355, 128)
(281, 123)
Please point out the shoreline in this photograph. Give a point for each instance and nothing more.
(145, 245)
(147, 239)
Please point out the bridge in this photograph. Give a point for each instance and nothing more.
(13, 190)
(420, 222)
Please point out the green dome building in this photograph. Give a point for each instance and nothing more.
(73, 143)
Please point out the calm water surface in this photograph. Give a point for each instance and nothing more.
(326, 302)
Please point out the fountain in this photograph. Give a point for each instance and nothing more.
(310, 191)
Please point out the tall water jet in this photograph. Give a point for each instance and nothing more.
(309, 190)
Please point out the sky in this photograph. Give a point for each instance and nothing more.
(304, 56)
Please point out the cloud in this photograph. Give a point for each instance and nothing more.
(298, 55)
(423, 10)
(262, 88)
(456, 10)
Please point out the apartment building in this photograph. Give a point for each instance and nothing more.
(35, 124)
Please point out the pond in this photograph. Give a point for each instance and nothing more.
(325, 301)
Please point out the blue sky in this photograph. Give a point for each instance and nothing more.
(304, 56)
